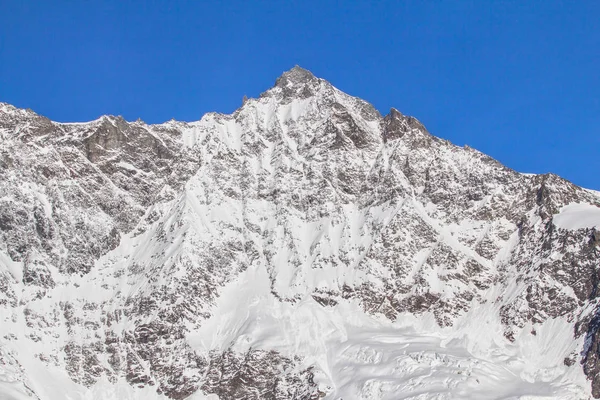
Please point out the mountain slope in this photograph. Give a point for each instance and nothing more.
(302, 247)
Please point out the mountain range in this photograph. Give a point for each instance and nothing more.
(303, 247)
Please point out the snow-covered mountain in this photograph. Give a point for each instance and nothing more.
(303, 247)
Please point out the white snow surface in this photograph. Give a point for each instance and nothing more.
(361, 357)
(578, 216)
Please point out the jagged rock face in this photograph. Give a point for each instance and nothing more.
(233, 256)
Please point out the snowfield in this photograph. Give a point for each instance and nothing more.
(360, 357)
(578, 216)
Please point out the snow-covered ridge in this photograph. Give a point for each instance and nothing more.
(302, 247)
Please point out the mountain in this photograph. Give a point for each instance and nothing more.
(303, 247)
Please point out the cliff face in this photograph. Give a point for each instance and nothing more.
(302, 247)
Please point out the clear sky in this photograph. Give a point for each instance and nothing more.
(519, 80)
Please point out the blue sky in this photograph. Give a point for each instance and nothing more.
(517, 80)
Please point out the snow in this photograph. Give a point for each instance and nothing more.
(577, 216)
(355, 354)
(12, 390)
(128, 166)
(14, 268)
(358, 356)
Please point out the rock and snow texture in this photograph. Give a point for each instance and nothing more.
(303, 247)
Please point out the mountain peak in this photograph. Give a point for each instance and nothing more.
(296, 83)
(295, 76)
